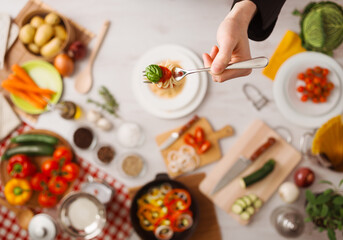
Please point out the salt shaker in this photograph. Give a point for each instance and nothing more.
(288, 221)
(42, 227)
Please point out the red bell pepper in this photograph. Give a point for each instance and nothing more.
(19, 166)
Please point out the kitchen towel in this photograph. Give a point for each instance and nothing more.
(289, 46)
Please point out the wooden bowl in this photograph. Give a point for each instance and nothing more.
(37, 161)
(64, 22)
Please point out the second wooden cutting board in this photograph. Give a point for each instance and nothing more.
(285, 155)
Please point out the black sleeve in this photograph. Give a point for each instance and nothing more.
(262, 24)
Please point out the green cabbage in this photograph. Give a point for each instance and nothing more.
(321, 26)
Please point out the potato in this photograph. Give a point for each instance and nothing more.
(51, 48)
(52, 19)
(43, 34)
(33, 48)
(36, 21)
(60, 32)
(27, 33)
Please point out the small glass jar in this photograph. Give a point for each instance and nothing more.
(132, 165)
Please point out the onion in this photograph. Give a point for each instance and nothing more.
(64, 64)
(183, 160)
(304, 177)
(164, 232)
(289, 192)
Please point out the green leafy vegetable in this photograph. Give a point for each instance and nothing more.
(321, 26)
(154, 73)
(111, 105)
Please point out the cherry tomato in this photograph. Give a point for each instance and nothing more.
(330, 85)
(189, 139)
(315, 100)
(50, 168)
(70, 172)
(322, 99)
(304, 98)
(46, 199)
(301, 76)
(317, 69)
(166, 74)
(199, 135)
(57, 185)
(64, 154)
(317, 80)
(309, 87)
(325, 71)
(309, 71)
(308, 80)
(301, 89)
(39, 182)
(204, 147)
(317, 91)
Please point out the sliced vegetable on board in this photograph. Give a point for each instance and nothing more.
(247, 206)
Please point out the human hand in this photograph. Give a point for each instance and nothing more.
(232, 38)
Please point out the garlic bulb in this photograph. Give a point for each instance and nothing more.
(289, 192)
(93, 116)
(104, 124)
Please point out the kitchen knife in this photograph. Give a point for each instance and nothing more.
(175, 135)
(241, 164)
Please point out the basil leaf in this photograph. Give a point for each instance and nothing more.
(153, 72)
(338, 200)
(310, 197)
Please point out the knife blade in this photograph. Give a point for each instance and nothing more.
(175, 135)
(241, 164)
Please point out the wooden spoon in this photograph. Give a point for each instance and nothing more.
(23, 215)
(84, 79)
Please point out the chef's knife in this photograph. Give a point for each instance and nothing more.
(241, 164)
(175, 135)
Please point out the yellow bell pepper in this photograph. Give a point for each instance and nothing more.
(18, 191)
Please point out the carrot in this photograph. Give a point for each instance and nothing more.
(25, 96)
(15, 82)
(21, 73)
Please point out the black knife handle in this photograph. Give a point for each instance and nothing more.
(188, 125)
(270, 142)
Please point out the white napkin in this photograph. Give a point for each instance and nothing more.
(8, 119)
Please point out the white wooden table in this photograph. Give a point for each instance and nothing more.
(137, 26)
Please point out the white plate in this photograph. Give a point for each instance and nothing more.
(192, 93)
(307, 114)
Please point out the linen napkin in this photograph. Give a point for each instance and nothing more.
(8, 119)
(289, 46)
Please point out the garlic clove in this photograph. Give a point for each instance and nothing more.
(104, 124)
(93, 116)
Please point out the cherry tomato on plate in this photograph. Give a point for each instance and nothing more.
(50, 168)
(204, 147)
(189, 139)
(46, 199)
(301, 76)
(199, 135)
(304, 98)
(57, 185)
(70, 172)
(301, 89)
(64, 154)
(39, 182)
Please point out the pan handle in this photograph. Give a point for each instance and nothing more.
(162, 176)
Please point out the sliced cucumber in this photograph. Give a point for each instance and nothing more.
(258, 175)
(258, 203)
(245, 215)
(247, 200)
(236, 208)
(241, 202)
(252, 197)
(250, 210)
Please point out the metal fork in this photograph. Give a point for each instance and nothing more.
(258, 62)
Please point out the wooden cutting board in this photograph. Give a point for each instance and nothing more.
(18, 54)
(285, 155)
(208, 227)
(212, 155)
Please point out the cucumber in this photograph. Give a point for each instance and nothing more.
(247, 200)
(245, 215)
(29, 150)
(258, 175)
(236, 208)
(241, 203)
(35, 138)
(258, 203)
(250, 210)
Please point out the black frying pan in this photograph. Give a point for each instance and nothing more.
(149, 235)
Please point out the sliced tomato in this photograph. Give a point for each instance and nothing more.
(189, 139)
(204, 147)
(199, 135)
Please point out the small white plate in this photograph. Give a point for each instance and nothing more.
(192, 93)
(307, 114)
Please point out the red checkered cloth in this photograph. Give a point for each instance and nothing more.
(118, 224)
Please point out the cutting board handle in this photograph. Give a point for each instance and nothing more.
(226, 131)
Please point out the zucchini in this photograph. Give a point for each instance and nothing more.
(29, 150)
(236, 208)
(250, 210)
(258, 175)
(252, 197)
(247, 200)
(35, 138)
(241, 202)
(258, 203)
(245, 215)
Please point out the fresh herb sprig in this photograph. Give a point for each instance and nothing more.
(325, 209)
(110, 103)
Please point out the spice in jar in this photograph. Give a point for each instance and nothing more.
(83, 137)
(132, 165)
(106, 154)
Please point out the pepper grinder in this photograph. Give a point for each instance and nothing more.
(288, 221)
(42, 227)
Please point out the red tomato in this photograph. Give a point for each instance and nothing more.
(199, 135)
(309, 87)
(317, 91)
(330, 85)
(318, 69)
(64, 154)
(301, 76)
(204, 147)
(46, 199)
(315, 100)
(166, 74)
(309, 71)
(57, 185)
(308, 80)
(189, 139)
(70, 172)
(322, 99)
(301, 89)
(317, 80)
(50, 168)
(325, 71)
(39, 182)
(304, 98)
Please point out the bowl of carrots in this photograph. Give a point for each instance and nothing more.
(33, 86)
